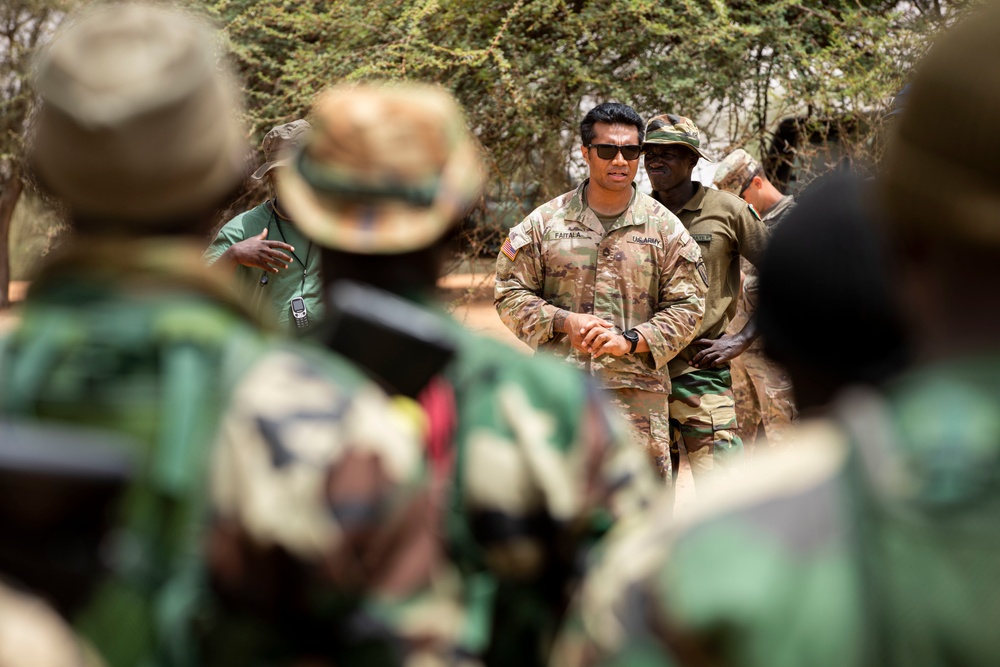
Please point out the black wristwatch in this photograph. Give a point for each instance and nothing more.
(632, 336)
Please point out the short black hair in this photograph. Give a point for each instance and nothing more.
(612, 113)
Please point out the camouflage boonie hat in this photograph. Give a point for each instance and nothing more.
(941, 175)
(669, 128)
(138, 122)
(388, 169)
(280, 143)
(736, 171)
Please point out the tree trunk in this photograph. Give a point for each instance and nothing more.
(8, 201)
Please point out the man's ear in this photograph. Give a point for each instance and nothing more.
(757, 183)
(583, 152)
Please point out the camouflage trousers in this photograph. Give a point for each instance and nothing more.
(763, 394)
(646, 412)
(703, 422)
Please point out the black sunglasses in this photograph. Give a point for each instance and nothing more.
(610, 151)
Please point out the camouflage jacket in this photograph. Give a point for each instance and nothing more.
(644, 273)
(873, 542)
(137, 337)
(417, 562)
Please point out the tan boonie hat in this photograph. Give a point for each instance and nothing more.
(280, 143)
(669, 128)
(941, 175)
(736, 171)
(388, 169)
(137, 121)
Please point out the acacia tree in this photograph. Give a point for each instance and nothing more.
(24, 26)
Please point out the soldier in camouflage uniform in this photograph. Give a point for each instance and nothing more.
(607, 279)
(762, 388)
(874, 541)
(460, 552)
(124, 327)
(702, 407)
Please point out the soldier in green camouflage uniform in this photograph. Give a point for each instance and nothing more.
(874, 541)
(762, 388)
(602, 261)
(124, 327)
(460, 552)
(702, 407)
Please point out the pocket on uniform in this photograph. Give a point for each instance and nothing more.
(724, 418)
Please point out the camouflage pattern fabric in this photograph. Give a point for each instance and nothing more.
(762, 388)
(139, 337)
(644, 273)
(703, 421)
(32, 635)
(670, 128)
(646, 413)
(409, 567)
(270, 294)
(873, 533)
(735, 171)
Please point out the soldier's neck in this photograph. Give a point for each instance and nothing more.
(675, 198)
(607, 202)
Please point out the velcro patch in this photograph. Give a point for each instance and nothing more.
(508, 249)
(564, 236)
(702, 238)
(519, 235)
(645, 240)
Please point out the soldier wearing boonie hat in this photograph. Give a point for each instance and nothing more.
(702, 406)
(872, 541)
(124, 328)
(381, 188)
(276, 266)
(762, 388)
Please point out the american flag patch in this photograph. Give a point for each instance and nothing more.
(508, 249)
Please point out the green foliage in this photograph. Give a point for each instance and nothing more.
(527, 70)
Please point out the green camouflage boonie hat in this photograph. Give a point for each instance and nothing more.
(736, 171)
(388, 169)
(669, 128)
(280, 143)
(138, 122)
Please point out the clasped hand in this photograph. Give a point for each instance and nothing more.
(594, 336)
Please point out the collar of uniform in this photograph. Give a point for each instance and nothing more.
(697, 199)
(777, 209)
(578, 211)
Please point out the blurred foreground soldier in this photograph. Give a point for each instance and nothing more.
(124, 327)
(277, 268)
(875, 541)
(702, 407)
(608, 280)
(458, 553)
(762, 388)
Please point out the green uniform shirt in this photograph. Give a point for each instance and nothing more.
(541, 468)
(725, 227)
(138, 337)
(271, 299)
(872, 541)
